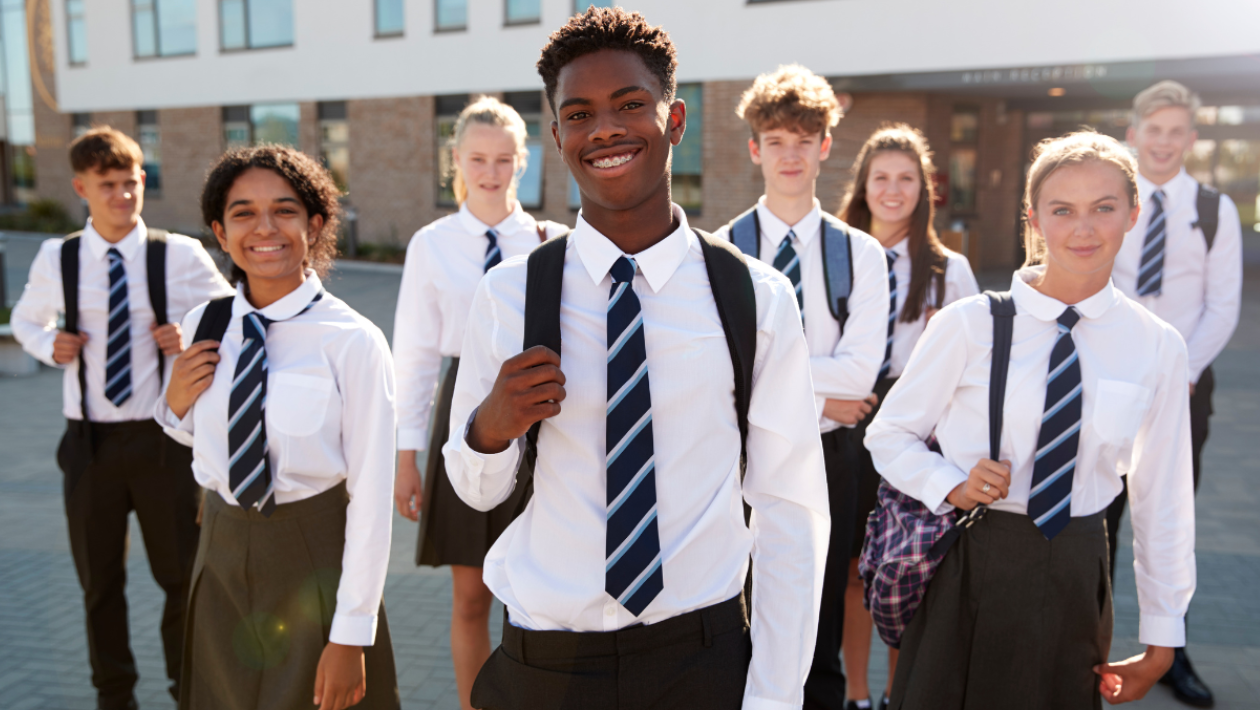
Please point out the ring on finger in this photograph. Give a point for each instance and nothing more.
(985, 488)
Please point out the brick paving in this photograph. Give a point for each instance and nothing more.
(43, 659)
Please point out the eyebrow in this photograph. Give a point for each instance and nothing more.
(614, 95)
(294, 200)
(1101, 199)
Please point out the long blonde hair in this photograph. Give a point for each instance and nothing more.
(487, 111)
(1071, 149)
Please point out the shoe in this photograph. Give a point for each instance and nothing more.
(883, 703)
(851, 705)
(1185, 683)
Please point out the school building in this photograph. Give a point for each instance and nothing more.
(372, 86)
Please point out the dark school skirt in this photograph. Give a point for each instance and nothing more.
(452, 533)
(868, 477)
(263, 595)
(1011, 620)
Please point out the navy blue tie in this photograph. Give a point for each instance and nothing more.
(632, 571)
(493, 255)
(788, 262)
(1150, 280)
(892, 314)
(118, 348)
(1050, 500)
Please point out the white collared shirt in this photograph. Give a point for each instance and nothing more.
(191, 279)
(445, 261)
(1202, 291)
(842, 366)
(959, 283)
(330, 418)
(548, 566)
(1135, 420)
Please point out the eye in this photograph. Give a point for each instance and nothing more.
(630, 105)
(577, 116)
(1106, 208)
(1061, 211)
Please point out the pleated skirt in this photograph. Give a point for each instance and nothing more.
(1011, 620)
(264, 591)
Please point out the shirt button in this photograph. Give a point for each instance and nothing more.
(610, 611)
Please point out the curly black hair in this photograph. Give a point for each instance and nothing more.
(309, 179)
(608, 28)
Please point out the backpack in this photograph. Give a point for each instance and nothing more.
(1208, 205)
(155, 270)
(837, 252)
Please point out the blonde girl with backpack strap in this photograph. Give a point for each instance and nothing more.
(445, 262)
(1019, 612)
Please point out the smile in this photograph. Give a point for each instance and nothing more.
(265, 250)
(614, 161)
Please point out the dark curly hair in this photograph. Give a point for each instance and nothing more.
(309, 179)
(608, 28)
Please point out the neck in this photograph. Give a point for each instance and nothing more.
(1068, 287)
(1159, 179)
(790, 208)
(491, 212)
(113, 233)
(262, 292)
(889, 233)
(637, 228)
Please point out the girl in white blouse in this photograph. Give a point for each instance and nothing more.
(1019, 612)
(445, 262)
(892, 198)
(291, 421)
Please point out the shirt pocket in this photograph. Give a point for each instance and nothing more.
(297, 404)
(1119, 409)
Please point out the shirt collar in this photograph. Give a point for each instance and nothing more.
(657, 263)
(1045, 308)
(902, 248)
(518, 220)
(1174, 189)
(129, 246)
(776, 229)
(287, 307)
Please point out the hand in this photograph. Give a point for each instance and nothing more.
(66, 346)
(170, 339)
(408, 493)
(1130, 680)
(849, 411)
(530, 388)
(191, 374)
(340, 679)
(971, 493)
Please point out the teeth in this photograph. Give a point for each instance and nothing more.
(612, 161)
(266, 249)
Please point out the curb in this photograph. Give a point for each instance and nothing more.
(367, 267)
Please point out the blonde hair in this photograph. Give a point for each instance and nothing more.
(1072, 149)
(792, 98)
(486, 111)
(1164, 95)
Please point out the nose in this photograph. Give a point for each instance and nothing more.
(266, 224)
(608, 127)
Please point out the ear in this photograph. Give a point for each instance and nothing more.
(220, 234)
(455, 155)
(1130, 135)
(79, 188)
(1133, 216)
(824, 148)
(314, 226)
(1034, 222)
(555, 135)
(677, 121)
(143, 177)
(754, 150)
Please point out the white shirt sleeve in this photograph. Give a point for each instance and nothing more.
(417, 358)
(1223, 278)
(181, 430)
(34, 318)
(960, 281)
(851, 369)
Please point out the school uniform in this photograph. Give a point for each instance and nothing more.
(685, 642)
(303, 561)
(1019, 610)
(445, 262)
(959, 283)
(118, 460)
(843, 365)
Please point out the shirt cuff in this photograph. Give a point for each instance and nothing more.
(1169, 631)
(477, 465)
(938, 487)
(414, 439)
(753, 703)
(350, 630)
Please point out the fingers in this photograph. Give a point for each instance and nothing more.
(319, 684)
(201, 347)
(537, 355)
(998, 485)
(873, 399)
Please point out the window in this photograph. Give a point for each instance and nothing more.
(529, 189)
(389, 18)
(579, 6)
(255, 24)
(260, 123)
(964, 130)
(76, 32)
(163, 28)
(575, 194)
(447, 109)
(689, 154)
(451, 15)
(334, 141)
(80, 123)
(522, 12)
(18, 106)
(150, 145)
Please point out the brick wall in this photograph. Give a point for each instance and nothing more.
(191, 140)
(52, 128)
(393, 167)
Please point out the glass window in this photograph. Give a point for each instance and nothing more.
(232, 24)
(575, 194)
(688, 164)
(18, 101)
(964, 126)
(451, 14)
(389, 18)
(579, 6)
(255, 24)
(76, 31)
(236, 128)
(964, 134)
(529, 188)
(334, 142)
(80, 123)
(520, 12)
(274, 123)
(150, 145)
(164, 28)
(447, 109)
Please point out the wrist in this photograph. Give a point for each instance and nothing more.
(481, 443)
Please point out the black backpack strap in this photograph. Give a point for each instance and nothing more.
(1003, 309)
(155, 272)
(1208, 205)
(837, 253)
(214, 320)
(745, 232)
(70, 294)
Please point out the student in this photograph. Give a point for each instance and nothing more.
(1173, 264)
(1019, 612)
(623, 576)
(128, 287)
(891, 197)
(791, 113)
(445, 261)
(287, 398)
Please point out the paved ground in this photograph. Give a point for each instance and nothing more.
(43, 660)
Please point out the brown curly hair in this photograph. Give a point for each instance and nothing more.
(608, 28)
(310, 180)
(792, 98)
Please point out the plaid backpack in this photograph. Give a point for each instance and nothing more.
(905, 542)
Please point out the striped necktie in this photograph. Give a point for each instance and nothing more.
(892, 314)
(1150, 281)
(1050, 501)
(632, 570)
(249, 469)
(493, 255)
(788, 262)
(118, 349)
